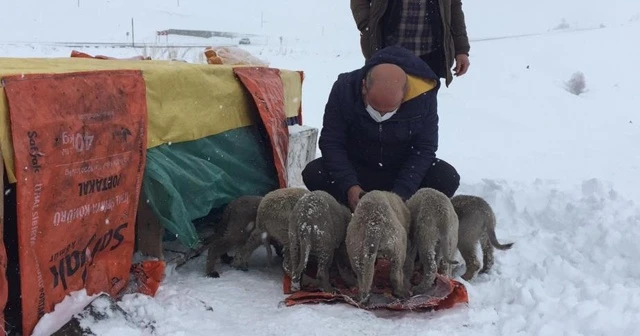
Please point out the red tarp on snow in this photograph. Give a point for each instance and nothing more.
(446, 293)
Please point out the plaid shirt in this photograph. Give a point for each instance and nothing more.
(420, 27)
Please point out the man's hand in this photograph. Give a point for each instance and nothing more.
(353, 196)
(462, 65)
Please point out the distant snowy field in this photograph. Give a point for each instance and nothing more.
(560, 170)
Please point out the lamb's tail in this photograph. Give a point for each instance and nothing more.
(304, 251)
(299, 259)
(496, 244)
(292, 254)
(372, 240)
(447, 249)
(491, 232)
(370, 250)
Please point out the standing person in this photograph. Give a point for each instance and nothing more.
(434, 30)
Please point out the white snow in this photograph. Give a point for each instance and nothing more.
(560, 170)
(71, 305)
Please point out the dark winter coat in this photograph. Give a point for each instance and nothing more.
(406, 143)
(373, 16)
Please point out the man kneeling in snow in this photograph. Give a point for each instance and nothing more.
(380, 132)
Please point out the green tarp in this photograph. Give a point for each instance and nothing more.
(185, 181)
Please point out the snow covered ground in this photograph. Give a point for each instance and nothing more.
(561, 171)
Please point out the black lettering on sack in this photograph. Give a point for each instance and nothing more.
(121, 134)
(98, 185)
(102, 243)
(78, 260)
(64, 270)
(41, 297)
(118, 236)
(34, 152)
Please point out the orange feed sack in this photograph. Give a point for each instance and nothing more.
(80, 151)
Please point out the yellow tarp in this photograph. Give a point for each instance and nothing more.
(184, 101)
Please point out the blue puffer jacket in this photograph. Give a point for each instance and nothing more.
(405, 144)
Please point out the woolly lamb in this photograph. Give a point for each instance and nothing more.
(379, 228)
(317, 227)
(238, 221)
(272, 225)
(434, 233)
(477, 223)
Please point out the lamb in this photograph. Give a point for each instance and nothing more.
(238, 221)
(317, 226)
(434, 234)
(477, 223)
(272, 225)
(379, 228)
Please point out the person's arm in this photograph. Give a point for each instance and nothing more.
(360, 11)
(459, 28)
(333, 143)
(422, 155)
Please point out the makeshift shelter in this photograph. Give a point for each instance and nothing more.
(89, 145)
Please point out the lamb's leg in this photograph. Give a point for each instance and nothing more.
(487, 253)
(409, 264)
(446, 268)
(471, 260)
(346, 274)
(441, 264)
(324, 264)
(296, 282)
(280, 249)
(292, 263)
(217, 247)
(272, 244)
(365, 277)
(445, 260)
(397, 274)
(241, 259)
(211, 266)
(428, 259)
(341, 259)
(226, 258)
(298, 259)
(267, 246)
(286, 260)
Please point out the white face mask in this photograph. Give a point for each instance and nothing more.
(377, 116)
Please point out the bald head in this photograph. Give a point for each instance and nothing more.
(384, 87)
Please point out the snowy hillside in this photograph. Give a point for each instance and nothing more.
(561, 171)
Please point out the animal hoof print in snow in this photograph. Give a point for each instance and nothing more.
(213, 274)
